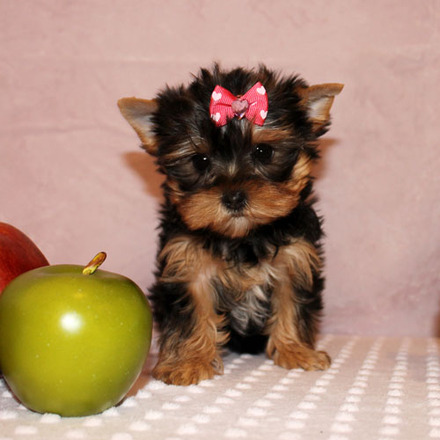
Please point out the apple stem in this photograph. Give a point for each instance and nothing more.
(94, 263)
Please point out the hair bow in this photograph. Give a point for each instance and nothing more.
(252, 105)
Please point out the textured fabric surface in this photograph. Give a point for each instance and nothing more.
(377, 388)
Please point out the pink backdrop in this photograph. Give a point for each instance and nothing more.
(74, 180)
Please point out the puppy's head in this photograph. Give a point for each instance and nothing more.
(248, 171)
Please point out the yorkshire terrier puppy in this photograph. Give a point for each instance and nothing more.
(239, 261)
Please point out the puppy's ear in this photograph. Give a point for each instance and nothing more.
(138, 113)
(318, 100)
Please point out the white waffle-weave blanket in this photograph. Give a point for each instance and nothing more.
(376, 388)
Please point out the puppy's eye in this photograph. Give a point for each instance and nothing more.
(263, 153)
(201, 162)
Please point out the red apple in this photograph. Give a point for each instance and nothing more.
(18, 254)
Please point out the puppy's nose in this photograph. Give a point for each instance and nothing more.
(234, 200)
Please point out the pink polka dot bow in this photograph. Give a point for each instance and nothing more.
(252, 105)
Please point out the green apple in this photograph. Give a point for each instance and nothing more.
(73, 340)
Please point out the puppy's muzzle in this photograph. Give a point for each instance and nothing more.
(234, 200)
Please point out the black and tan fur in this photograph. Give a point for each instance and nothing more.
(239, 261)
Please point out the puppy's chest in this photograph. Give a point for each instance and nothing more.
(243, 293)
(236, 280)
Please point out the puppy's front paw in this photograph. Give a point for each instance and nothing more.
(301, 357)
(186, 372)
